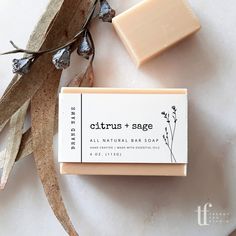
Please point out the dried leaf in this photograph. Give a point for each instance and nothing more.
(66, 24)
(42, 114)
(26, 147)
(14, 79)
(17, 120)
(3, 126)
(75, 82)
(233, 233)
(2, 158)
(37, 37)
(26, 142)
(14, 140)
(84, 80)
(36, 86)
(40, 85)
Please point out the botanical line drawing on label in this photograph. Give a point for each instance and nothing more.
(170, 130)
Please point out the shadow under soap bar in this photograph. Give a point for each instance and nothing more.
(91, 120)
(153, 26)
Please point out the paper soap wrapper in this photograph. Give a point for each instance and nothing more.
(109, 131)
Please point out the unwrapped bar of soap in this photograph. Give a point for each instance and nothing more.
(152, 26)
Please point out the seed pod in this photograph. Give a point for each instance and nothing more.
(22, 66)
(61, 59)
(85, 48)
(106, 13)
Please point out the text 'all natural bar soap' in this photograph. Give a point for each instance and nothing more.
(123, 131)
(152, 26)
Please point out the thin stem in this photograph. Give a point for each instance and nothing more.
(90, 14)
(14, 46)
(172, 155)
(168, 121)
(93, 46)
(173, 132)
(35, 53)
(168, 144)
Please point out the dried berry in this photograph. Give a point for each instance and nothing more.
(61, 59)
(85, 48)
(22, 66)
(106, 13)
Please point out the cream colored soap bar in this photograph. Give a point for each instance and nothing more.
(152, 26)
(72, 136)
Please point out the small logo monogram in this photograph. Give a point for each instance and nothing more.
(206, 217)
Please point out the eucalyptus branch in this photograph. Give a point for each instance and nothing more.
(69, 43)
(61, 58)
(39, 53)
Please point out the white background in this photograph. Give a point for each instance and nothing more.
(140, 206)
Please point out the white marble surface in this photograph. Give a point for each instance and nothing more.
(140, 206)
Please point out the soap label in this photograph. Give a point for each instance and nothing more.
(123, 128)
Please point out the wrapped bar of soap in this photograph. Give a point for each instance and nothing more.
(114, 131)
(152, 26)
